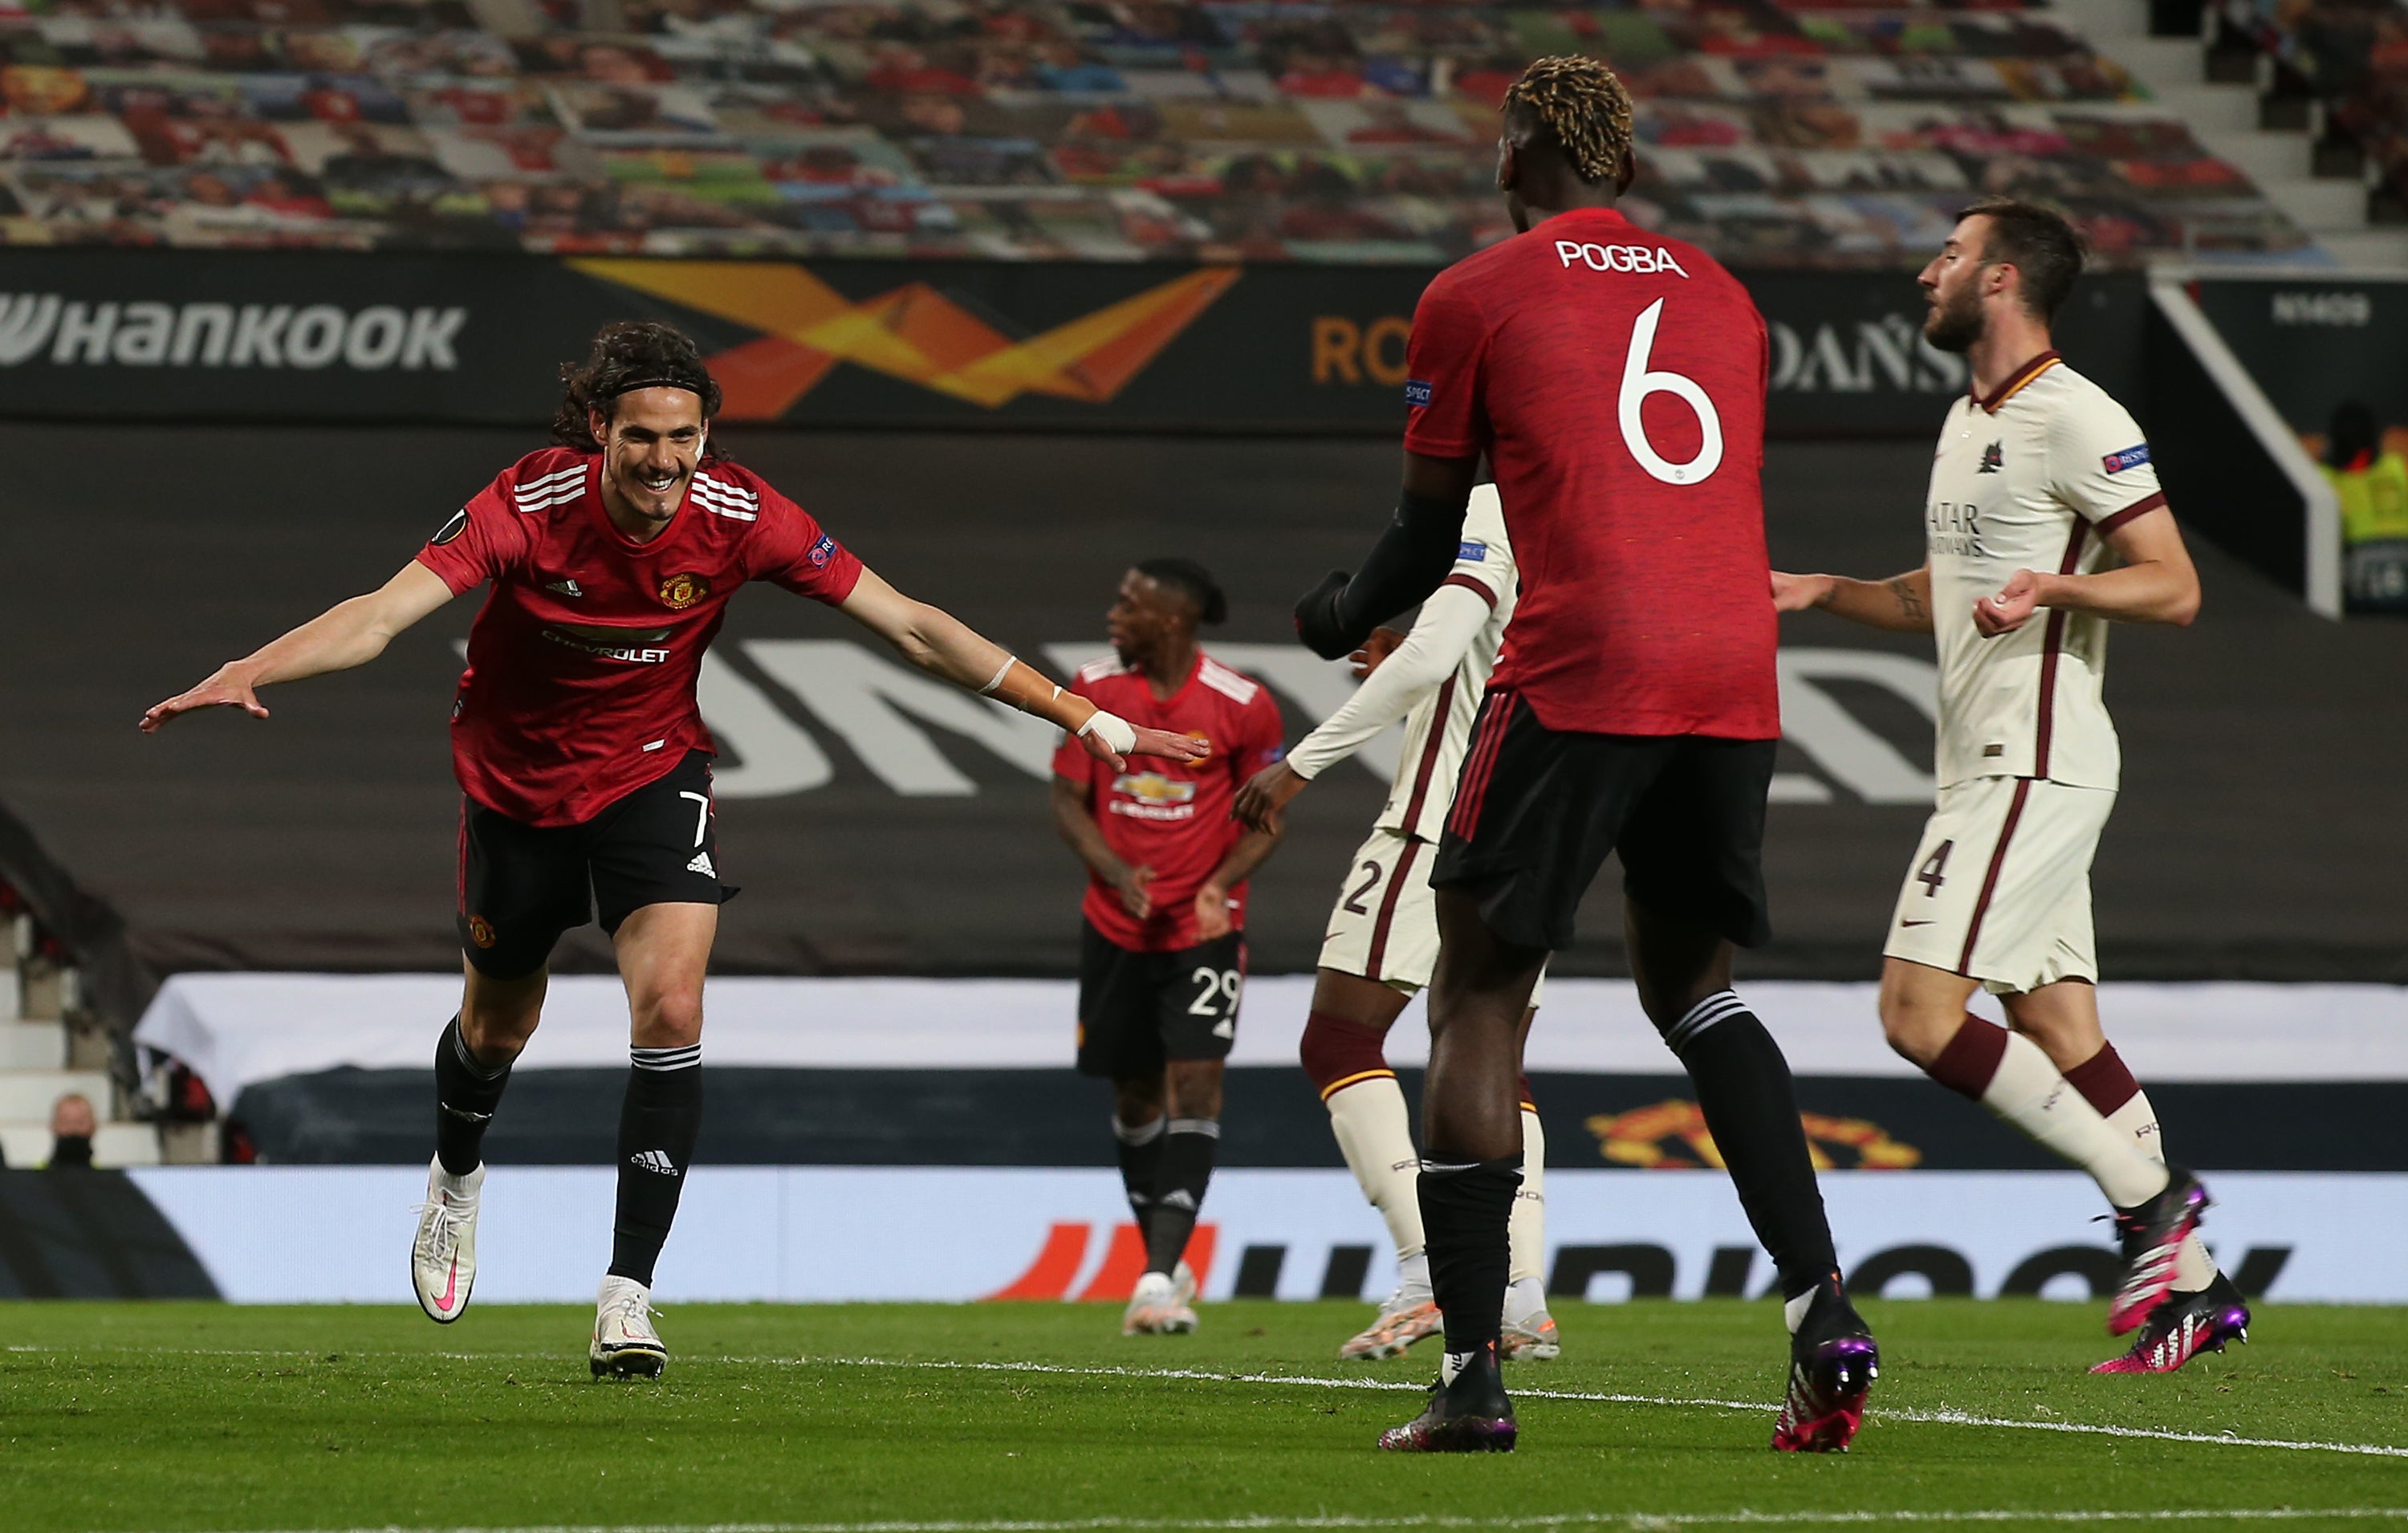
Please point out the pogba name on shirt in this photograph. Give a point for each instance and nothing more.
(583, 662)
(1163, 814)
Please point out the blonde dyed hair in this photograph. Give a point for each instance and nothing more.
(1584, 105)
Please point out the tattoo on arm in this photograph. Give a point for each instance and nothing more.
(1907, 602)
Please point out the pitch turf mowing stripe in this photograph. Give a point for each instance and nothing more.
(1897, 1414)
(1641, 1519)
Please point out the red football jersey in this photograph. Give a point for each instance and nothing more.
(1615, 379)
(1161, 814)
(583, 660)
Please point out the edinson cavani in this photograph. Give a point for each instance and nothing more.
(586, 768)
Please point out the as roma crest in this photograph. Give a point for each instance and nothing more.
(680, 591)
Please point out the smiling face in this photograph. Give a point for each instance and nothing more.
(651, 446)
(1955, 283)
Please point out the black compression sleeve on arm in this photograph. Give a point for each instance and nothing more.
(1406, 565)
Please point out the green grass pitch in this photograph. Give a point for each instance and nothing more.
(127, 1418)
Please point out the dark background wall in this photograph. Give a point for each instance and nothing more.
(2264, 820)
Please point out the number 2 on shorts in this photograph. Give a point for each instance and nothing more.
(1355, 900)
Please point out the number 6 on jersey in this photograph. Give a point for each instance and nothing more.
(1637, 383)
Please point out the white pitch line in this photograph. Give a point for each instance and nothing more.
(1638, 1520)
(1900, 1414)
(1938, 1418)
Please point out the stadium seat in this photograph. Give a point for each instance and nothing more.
(1783, 135)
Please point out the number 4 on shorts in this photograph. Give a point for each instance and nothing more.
(1932, 874)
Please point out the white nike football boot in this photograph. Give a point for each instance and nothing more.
(626, 1346)
(1159, 1307)
(443, 1258)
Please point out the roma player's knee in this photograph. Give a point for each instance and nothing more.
(1921, 1009)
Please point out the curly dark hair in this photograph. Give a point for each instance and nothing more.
(628, 355)
(1578, 104)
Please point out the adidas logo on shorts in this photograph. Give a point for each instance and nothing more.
(701, 865)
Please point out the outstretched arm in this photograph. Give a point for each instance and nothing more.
(347, 634)
(943, 645)
(1396, 686)
(2155, 583)
(1901, 604)
(1404, 566)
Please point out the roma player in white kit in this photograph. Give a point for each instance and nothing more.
(1382, 944)
(2045, 523)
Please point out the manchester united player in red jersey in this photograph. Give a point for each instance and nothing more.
(1163, 950)
(586, 766)
(1615, 380)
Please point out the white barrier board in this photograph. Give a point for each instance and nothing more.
(340, 1234)
(233, 1029)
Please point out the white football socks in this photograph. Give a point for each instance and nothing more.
(1375, 1134)
(2030, 1093)
(1524, 1298)
(1526, 1229)
(2194, 1269)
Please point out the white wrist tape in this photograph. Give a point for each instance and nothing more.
(1113, 730)
(1001, 672)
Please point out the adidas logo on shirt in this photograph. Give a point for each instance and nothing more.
(701, 865)
(656, 1161)
(567, 588)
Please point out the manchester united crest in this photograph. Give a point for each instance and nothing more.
(680, 591)
(481, 931)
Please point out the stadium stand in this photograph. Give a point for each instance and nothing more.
(50, 1046)
(2305, 97)
(1779, 134)
(2339, 67)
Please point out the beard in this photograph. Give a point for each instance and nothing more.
(1956, 325)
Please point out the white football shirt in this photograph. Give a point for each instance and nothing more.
(2035, 477)
(1434, 680)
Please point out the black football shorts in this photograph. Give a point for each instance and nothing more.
(1537, 811)
(522, 885)
(1138, 1010)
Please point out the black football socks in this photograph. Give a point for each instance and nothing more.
(1189, 1146)
(1464, 1209)
(1139, 1152)
(656, 1130)
(467, 1092)
(1751, 1108)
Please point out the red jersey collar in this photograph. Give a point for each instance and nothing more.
(1552, 220)
(2016, 380)
(1139, 675)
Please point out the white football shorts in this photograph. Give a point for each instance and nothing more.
(2000, 890)
(1385, 925)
